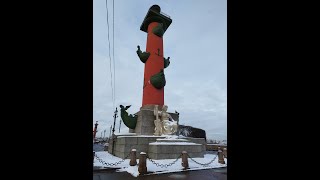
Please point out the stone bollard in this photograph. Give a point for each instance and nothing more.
(225, 152)
(133, 157)
(220, 156)
(142, 163)
(184, 161)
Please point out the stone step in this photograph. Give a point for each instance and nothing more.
(172, 140)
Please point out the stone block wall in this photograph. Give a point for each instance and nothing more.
(166, 151)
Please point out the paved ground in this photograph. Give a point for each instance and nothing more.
(209, 174)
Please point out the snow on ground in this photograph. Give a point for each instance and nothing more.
(152, 168)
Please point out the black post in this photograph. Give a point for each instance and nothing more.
(120, 126)
(114, 121)
(114, 124)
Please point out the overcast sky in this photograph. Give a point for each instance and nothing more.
(196, 43)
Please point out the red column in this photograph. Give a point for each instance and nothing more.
(154, 64)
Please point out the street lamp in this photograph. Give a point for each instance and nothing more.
(114, 124)
(114, 121)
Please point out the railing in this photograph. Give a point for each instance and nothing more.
(142, 166)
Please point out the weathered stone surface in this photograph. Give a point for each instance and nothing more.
(198, 141)
(214, 147)
(142, 163)
(133, 158)
(172, 151)
(196, 155)
(164, 156)
(124, 145)
(127, 147)
(220, 156)
(143, 141)
(225, 152)
(154, 139)
(145, 122)
(184, 160)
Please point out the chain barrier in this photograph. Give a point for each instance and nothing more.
(163, 165)
(153, 161)
(203, 164)
(111, 164)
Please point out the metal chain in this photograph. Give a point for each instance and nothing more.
(111, 164)
(163, 165)
(203, 164)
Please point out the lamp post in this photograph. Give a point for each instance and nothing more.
(114, 124)
(114, 121)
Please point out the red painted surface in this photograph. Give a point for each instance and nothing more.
(154, 64)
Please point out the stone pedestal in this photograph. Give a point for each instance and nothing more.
(201, 141)
(124, 144)
(145, 123)
(172, 149)
(157, 147)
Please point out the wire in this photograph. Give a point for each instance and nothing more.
(114, 64)
(109, 54)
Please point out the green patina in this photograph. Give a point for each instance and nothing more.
(158, 80)
(143, 55)
(166, 62)
(155, 15)
(129, 120)
(158, 30)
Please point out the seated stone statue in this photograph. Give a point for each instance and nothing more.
(167, 127)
